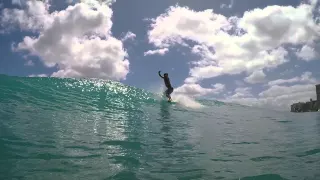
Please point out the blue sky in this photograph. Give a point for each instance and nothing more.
(180, 31)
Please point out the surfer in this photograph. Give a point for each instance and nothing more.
(166, 79)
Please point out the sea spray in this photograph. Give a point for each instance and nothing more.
(186, 101)
(158, 89)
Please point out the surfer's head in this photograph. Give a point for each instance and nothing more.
(165, 74)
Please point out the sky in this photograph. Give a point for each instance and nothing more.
(251, 52)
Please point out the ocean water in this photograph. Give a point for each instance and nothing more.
(54, 128)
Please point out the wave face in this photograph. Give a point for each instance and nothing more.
(53, 128)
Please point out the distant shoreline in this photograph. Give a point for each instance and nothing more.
(311, 106)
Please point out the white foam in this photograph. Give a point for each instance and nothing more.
(186, 101)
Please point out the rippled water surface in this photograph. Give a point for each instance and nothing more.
(91, 129)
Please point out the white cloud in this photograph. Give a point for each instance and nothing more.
(276, 90)
(242, 92)
(34, 17)
(69, 1)
(219, 87)
(17, 2)
(282, 101)
(234, 45)
(196, 90)
(229, 6)
(129, 35)
(278, 94)
(275, 25)
(256, 77)
(278, 97)
(306, 77)
(286, 95)
(162, 52)
(77, 40)
(29, 63)
(307, 53)
(190, 80)
(239, 83)
(95, 3)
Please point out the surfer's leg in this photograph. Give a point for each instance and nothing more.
(169, 91)
(166, 93)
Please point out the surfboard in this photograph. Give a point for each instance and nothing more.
(172, 101)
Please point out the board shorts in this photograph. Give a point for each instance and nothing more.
(169, 91)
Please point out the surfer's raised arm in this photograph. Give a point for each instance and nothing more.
(166, 79)
(160, 74)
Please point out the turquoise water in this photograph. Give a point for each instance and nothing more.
(92, 129)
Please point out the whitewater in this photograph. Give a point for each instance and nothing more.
(55, 128)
